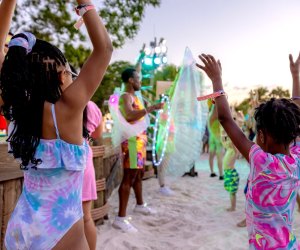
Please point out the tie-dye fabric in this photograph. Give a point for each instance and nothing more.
(51, 199)
(273, 184)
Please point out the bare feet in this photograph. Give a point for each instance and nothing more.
(242, 223)
(231, 209)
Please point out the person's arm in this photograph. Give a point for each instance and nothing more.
(78, 94)
(7, 8)
(97, 134)
(213, 70)
(295, 70)
(132, 115)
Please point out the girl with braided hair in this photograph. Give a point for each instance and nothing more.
(46, 107)
(274, 177)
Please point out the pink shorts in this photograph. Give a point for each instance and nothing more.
(89, 191)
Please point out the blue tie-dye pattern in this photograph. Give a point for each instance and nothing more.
(62, 214)
(51, 201)
(34, 200)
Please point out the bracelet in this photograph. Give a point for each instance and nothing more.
(211, 96)
(81, 10)
(295, 98)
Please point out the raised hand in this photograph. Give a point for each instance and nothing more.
(211, 67)
(295, 66)
(295, 70)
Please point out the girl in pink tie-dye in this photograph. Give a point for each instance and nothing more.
(274, 177)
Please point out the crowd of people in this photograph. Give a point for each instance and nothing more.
(52, 120)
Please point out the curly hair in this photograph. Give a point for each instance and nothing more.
(280, 118)
(127, 73)
(26, 82)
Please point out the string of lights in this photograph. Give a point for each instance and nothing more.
(166, 100)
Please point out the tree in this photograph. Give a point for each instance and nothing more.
(280, 93)
(259, 95)
(111, 80)
(53, 21)
(167, 73)
(262, 93)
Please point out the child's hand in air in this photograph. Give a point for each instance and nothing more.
(295, 66)
(212, 68)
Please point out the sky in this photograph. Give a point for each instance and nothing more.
(252, 38)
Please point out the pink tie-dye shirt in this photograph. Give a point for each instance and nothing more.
(273, 184)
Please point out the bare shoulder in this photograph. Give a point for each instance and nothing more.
(125, 98)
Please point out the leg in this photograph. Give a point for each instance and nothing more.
(138, 187)
(233, 203)
(219, 158)
(242, 223)
(161, 170)
(89, 226)
(124, 190)
(160, 175)
(206, 147)
(211, 161)
(74, 239)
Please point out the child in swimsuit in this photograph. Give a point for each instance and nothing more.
(231, 176)
(274, 177)
(46, 107)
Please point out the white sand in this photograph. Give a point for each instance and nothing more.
(194, 218)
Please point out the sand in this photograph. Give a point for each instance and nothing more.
(194, 218)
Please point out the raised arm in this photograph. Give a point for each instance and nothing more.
(82, 89)
(7, 8)
(213, 70)
(295, 70)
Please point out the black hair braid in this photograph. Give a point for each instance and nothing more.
(26, 82)
(85, 131)
(280, 118)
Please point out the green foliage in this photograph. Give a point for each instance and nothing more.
(244, 106)
(263, 94)
(76, 56)
(53, 21)
(111, 80)
(280, 93)
(122, 17)
(168, 73)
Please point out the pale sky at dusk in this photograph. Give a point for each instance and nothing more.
(252, 38)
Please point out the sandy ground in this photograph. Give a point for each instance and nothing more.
(194, 218)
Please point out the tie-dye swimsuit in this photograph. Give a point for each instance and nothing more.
(273, 184)
(50, 203)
